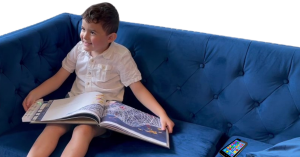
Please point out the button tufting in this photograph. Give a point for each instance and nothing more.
(16, 91)
(40, 53)
(285, 81)
(36, 81)
(256, 104)
(241, 73)
(229, 125)
(21, 62)
(178, 88)
(1, 70)
(133, 54)
(166, 59)
(192, 115)
(271, 135)
(216, 96)
(201, 65)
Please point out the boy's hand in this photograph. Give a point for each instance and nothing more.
(29, 100)
(166, 122)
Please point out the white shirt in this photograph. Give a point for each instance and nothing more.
(107, 72)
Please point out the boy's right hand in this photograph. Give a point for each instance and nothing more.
(29, 100)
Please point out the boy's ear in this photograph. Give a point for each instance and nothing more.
(112, 37)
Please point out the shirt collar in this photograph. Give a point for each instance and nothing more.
(108, 52)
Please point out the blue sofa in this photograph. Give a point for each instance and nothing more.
(215, 88)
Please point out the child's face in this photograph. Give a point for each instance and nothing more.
(94, 38)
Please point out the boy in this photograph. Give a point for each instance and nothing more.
(100, 65)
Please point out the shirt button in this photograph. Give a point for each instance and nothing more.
(92, 60)
(90, 73)
(88, 83)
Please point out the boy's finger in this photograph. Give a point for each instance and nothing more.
(28, 104)
(170, 129)
(163, 125)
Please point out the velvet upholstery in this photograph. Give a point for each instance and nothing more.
(225, 86)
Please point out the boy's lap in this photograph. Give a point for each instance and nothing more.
(100, 132)
(94, 130)
(58, 128)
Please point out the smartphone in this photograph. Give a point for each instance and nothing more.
(234, 148)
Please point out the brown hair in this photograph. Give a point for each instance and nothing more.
(105, 14)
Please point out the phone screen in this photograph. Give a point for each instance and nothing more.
(234, 148)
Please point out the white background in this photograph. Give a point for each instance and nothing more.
(262, 20)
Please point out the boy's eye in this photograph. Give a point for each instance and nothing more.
(82, 29)
(92, 32)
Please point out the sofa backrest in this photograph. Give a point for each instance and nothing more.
(27, 58)
(241, 87)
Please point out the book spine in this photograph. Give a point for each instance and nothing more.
(32, 111)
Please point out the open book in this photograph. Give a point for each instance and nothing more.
(92, 108)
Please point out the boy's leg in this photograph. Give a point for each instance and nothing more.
(47, 141)
(81, 138)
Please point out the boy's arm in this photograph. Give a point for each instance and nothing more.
(147, 99)
(46, 87)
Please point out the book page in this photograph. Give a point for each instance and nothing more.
(81, 120)
(133, 121)
(84, 103)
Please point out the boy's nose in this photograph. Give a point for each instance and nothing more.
(85, 36)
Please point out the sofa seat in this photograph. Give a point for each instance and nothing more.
(253, 145)
(187, 140)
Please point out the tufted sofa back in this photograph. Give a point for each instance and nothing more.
(27, 58)
(240, 87)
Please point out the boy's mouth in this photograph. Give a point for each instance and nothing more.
(86, 43)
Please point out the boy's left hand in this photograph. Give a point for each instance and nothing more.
(166, 122)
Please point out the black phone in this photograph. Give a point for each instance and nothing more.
(234, 148)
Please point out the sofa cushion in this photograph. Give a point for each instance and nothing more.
(252, 146)
(289, 148)
(187, 140)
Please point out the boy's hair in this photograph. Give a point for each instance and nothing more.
(105, 14)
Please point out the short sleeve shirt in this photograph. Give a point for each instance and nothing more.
(107, 72)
